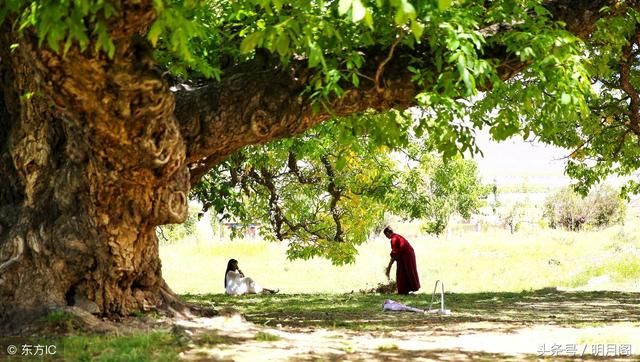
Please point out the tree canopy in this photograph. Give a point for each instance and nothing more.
(327, 190)
(452, 50)
(516, 67)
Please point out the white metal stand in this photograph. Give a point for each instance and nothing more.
(440, 311)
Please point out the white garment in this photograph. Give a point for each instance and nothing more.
(238, 285)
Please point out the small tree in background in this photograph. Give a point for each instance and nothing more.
(602, 207)
(456, 188)
(514, 215)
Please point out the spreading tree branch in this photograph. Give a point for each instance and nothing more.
(258, 102)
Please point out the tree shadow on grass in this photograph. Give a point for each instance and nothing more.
(363, 312)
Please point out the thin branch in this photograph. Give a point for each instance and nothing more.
(292, 163)
(380, 69)
(336, 194)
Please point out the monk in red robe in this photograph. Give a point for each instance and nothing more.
(402, 253)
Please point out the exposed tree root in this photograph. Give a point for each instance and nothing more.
(178, 308)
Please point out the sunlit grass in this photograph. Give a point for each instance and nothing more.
(625, 334)
(153, 346)
(625, 268)
(493, 260)
(266, 337)
(388, 347)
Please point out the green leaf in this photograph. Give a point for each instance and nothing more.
(315, 56)
(154, 32)
(444, 4)
(408, 9)
(344, 6)
(251, 42)
(417, 29)
(368, 19)
(341, 162)
(355, 80)
(52, 40)
(283, 45)
(565, 98)
(358, 11)
(468, 80)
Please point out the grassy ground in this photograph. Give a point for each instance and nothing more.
(148, 346)
(63, 336)
(510, 294)
(485, 326)
(500, 287)
(482, 326)
(363, 312)
(467, 262)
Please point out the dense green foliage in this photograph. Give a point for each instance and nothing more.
(602, 207)
(445, 40)
(327, 194)
(456, 189)
(574, 93)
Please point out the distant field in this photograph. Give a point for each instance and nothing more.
(468, 261)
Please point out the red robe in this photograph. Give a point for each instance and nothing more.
(406, 271)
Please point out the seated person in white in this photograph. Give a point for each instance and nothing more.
(235, 283)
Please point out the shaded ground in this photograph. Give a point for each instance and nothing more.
(483, 326)
(544, 324)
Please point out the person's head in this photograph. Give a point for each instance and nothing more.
(232, 265)
(388, 232)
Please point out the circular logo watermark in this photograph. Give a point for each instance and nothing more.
(11, 349)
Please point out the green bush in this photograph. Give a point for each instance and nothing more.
(602, 207)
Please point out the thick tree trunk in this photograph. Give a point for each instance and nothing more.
(84, 183)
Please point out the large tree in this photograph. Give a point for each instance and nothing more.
(96, 150)
(326, 191)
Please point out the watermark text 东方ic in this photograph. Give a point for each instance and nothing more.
(29, 349)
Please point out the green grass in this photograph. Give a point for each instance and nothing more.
(493, 260)
(363, 312)
(624, 268)
(152, 346)
(499, 312)
(492, 276)
(59, 321)
(266, 337)
(211, 339)
(58, 316)
(388, 347)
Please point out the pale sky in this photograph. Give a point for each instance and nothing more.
(513, 160)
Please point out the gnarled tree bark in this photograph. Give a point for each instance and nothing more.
(93, 156)
(92, 162)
